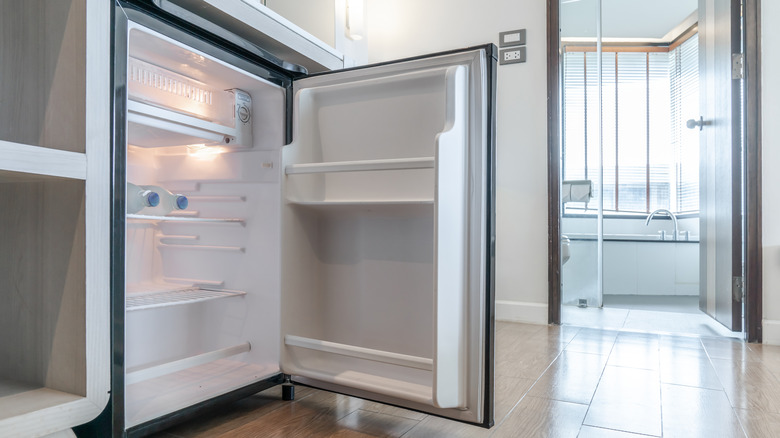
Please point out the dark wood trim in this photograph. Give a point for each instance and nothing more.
(553, 163)
(753, 220)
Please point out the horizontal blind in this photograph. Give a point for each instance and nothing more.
(649, 162)
(684, 68)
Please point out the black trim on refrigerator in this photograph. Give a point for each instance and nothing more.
(490, 286)
(169, 13)
(491, 51)
(205, 42)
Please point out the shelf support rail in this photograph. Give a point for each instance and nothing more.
(141, 373)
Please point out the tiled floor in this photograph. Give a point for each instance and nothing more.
(555, 382)
(658, 314)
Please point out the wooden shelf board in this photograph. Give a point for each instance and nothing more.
(18, 398)
(36, 160)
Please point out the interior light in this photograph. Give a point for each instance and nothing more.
(203, 152)
(355, 16)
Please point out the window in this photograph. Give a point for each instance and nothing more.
(650, 159)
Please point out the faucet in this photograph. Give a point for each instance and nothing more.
(671, 215)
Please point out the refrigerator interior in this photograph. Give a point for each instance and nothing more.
(202, 284)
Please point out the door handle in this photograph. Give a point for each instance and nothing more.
(693, 123)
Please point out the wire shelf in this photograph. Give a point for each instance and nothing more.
(163, 298)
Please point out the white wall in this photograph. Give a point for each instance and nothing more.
(313, 16)
(403, 28)
(770, 59)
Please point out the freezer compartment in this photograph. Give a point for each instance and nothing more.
(179, 96)
(376, 188)
(43, 361)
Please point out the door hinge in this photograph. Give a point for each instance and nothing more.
(738, 288)
(737, 66)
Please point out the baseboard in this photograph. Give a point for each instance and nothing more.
(517, 311)
(770, 329)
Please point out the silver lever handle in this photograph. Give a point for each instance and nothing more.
(692, 123)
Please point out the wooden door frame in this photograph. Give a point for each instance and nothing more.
(752, 190)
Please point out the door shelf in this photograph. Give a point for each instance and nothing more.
(146, 372)
(362, 165)
(174, 297)
(404, 360)
(41, 161)
(198, 220)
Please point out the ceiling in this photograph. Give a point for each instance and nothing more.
(624, 18)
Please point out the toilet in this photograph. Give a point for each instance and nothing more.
(565, 250)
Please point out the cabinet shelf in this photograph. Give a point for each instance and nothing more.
(200, 220)
(41, 161)
(18, 399)
(362, 165)
(163, 297)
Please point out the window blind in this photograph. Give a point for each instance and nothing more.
(650, 160)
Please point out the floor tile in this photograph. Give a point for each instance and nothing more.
(696, 412)
(597, 432)
(730, 349)
(628, 400)
(236, 414)
(635, 354)
(594, 317)
(509, 391)
(348, 433)
(659, 303)
(593, 341)
(376, 424)
(759, 424)
(573, 377)
(769, 355)
(688, 367)
(316, 415)
(749, 385)
(539, 417)
(435, 427)
(525, 362)
(678, 343)
(382, 408)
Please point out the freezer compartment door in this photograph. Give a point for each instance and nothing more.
(386, 270)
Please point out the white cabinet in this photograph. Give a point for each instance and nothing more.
(54, 209)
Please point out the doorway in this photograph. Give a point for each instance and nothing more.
(644, 233)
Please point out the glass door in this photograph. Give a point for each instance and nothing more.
(582, 155)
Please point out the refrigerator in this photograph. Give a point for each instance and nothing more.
(338, 229)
